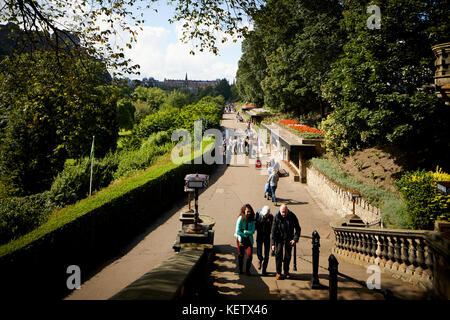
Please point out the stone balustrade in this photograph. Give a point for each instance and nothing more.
(405, 254)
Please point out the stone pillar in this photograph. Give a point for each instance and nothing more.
(302, 167)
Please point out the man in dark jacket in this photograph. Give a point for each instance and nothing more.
(284, 238)
(264, 221)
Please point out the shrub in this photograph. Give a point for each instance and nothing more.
(133, 161)
(72, 184)
(19, 216)
(158, 139)
(394, 209)
(142, 110)
(125, 114)
(395, 214)
(163, 120)
(424, 202)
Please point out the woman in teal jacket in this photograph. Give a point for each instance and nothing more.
(245, 227)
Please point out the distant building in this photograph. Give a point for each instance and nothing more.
(193, 85)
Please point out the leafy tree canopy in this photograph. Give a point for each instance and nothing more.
(77, 24)
(51, 115)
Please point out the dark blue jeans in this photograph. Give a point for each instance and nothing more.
(273, 188)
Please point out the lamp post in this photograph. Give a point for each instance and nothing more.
(354, 194)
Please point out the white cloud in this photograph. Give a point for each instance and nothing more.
(161, 54)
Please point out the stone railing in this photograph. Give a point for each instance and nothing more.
(406, 254)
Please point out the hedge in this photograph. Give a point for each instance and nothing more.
(91, 231)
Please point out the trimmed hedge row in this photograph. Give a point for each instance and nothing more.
(36, 268)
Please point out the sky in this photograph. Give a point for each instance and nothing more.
(161, 54)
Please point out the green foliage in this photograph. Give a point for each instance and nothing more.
(373, 85)
(21, 215)
(163, 120)
(424, 202)
(159, 138)
(133, 161)
(286, 59)
(235, 94)
(125, 114)
(223, 88)
(142, 111)
(252, 69)
(395, 214)
(51, 115)
(208, 108)
(72, 183)
(176, 99)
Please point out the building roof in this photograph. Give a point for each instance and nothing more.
(258, 112)
(292, 140)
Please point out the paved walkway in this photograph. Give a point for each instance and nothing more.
(230, 188)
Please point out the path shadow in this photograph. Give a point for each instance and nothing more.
(227, 283)
(290, 201)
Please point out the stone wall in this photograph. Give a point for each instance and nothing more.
(336, 197)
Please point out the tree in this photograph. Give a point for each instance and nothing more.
(375, 85)
(57, 21)
(125, 114)
(177, 99)
(287, 57)
(154, 97)
(252, 68)
(50, 116)
(223, 88)
(234, 93)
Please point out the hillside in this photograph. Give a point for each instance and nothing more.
(372, 166)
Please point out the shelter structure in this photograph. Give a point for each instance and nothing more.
(257, 114)
(292, 149)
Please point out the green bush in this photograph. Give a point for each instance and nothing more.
(72, 184)
(19, 216)
(158, 139)
(424, 202)
(395, 214)
(91, 231)
(133, 161)
(125, 114)
(163, 120)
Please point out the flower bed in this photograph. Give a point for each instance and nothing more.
(304, 130)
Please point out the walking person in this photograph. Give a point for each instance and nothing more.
(264, 221)
(285, 234)
(245, 227)
(246, 146)
(273, 184)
